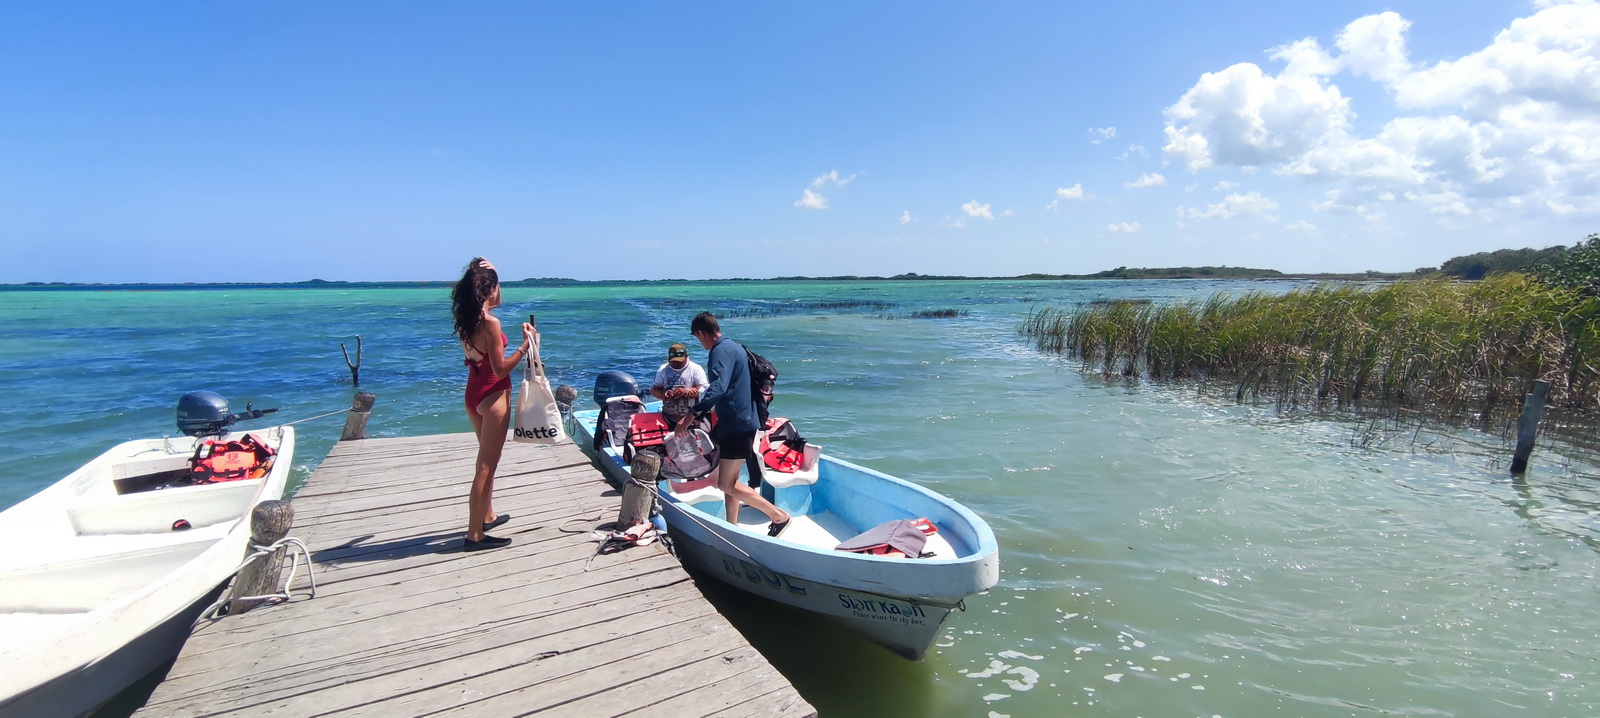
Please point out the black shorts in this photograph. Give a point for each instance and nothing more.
(736, 447)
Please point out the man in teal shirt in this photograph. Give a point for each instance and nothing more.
(737, 422)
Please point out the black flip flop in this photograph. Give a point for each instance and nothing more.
(488, 542)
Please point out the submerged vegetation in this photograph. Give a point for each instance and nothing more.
(1453, 350)
(929, 314)
(781, 308)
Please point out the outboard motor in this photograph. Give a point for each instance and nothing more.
(614, 383)
(205, 413)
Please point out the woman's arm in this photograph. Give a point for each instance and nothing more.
(490, 344)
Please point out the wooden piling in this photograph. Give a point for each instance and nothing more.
(636, 499)
(355, 424)
(269, 523)
(1528, 427)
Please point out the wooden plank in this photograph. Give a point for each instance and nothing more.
(405, 624)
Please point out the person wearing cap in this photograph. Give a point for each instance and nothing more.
(678, 384)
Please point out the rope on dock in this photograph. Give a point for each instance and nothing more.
(298, 549)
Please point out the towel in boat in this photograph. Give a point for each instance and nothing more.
(903, 536)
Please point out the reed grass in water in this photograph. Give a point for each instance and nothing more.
(1445, 348)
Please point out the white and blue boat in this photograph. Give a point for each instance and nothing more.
(899, 603)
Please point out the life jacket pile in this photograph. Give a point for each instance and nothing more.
(216, 461)
(782, 447)
(691, 458)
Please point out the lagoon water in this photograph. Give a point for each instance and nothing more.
(1163, 553)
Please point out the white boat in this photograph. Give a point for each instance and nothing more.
(899, 603)
(102, 574)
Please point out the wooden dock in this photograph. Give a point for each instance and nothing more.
(405, 624)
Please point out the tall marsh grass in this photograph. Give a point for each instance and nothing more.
(1454, 350)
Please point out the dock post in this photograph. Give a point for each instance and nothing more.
(355, 423)
(646, 467)
(269, 523)
(565, 395)
(1528, 427)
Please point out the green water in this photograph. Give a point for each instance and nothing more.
(1162, 553)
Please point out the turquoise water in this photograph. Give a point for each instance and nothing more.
(1163, 553)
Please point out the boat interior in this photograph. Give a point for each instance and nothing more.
(830, 501)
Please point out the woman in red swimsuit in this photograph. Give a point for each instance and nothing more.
(488, 390)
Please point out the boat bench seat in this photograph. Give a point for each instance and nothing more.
(695, 491)
(157, 511)
(809, 470)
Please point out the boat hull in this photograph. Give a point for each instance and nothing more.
(905, 627)
(898, 603)
(110, 585)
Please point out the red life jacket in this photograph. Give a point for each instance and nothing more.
(779, 446)
(647, 429)
(217, 461)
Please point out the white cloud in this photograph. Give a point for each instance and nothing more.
(1233, 205)
(1053, 204)
(1008, 213)
(811, 200)
(1073, 192)
(1508, 126)
(906, 218)
(1346, 202)
(833, 176)
(1300, 226)
(1101, 134)
(973, 209)
(953, 223)
(1153, 179)
(1224, 186)
(1133, 150)
(1129, 227)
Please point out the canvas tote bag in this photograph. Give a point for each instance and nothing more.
(538, 419)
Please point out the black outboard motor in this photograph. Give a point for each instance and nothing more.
(614, 383)
(205, 413)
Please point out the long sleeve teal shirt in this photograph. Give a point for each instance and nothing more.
(729, 393)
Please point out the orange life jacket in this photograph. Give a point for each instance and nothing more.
(217, 461)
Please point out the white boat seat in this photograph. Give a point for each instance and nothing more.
(695, 491)
(155, 511)
(809, 470)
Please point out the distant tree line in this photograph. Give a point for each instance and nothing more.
(1500, 261)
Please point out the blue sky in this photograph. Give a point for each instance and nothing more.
(255, 141)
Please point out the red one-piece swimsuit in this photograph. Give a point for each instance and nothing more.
(481, 380)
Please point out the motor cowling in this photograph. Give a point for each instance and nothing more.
(614, 383)
(203, 413)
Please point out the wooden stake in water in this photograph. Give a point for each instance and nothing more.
(355, 366)
(1532, 407)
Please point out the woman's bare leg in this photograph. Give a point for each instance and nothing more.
(491, 428)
